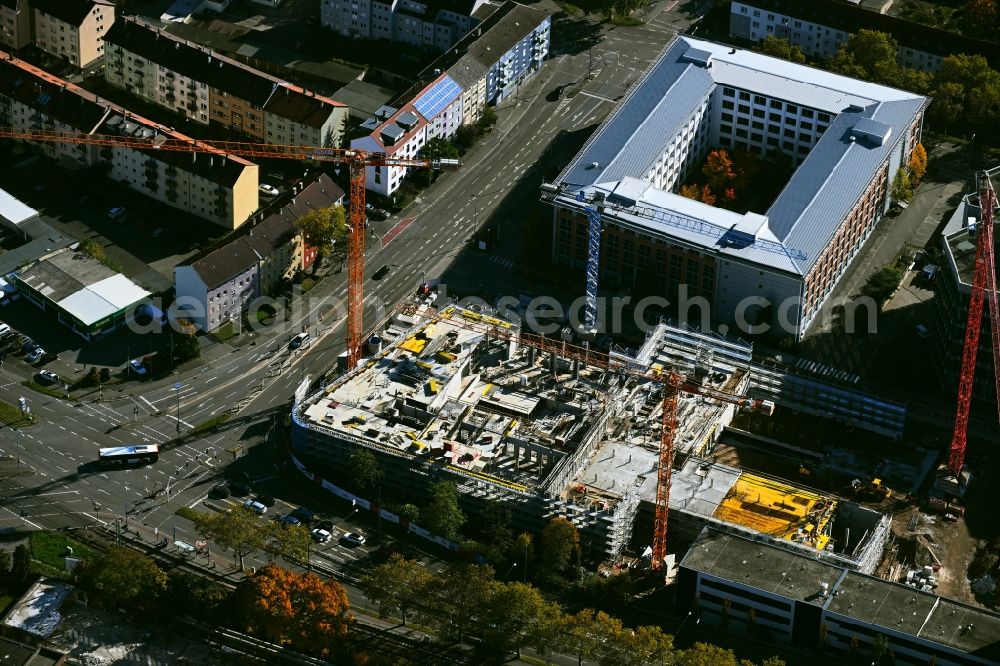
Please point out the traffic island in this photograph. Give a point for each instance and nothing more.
(16, 416)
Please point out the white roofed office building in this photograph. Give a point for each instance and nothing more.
(846, 137)
(89, 298)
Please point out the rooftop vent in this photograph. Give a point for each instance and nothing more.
(871, 131)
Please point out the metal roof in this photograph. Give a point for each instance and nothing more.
(13, 210)
(819, 194)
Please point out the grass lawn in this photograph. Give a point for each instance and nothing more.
(47, 390)
(225, 332)
(11, 414)
(50, 548)
(213, 422)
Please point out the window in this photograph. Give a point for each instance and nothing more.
(791, 108)
(744, 96)
(773, 129)
(742, 121)
(727, 117)
(824, 117)
(744, 109)
(741, 133)
(757, 125)
(758, 113)
(776, 104)
(790, 133)
(759, 138)
(725, 129)
(726, 104)
(807, 113)
(804, 137)
(728, 92)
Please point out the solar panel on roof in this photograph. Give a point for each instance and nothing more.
(438, 97)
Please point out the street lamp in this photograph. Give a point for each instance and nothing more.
(177, 392)
(509, 570)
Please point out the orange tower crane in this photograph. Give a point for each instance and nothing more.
(984, 283)
(356, 160)
(672, 384)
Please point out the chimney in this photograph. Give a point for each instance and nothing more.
(194, 157)
(177, 45)
(210, 58)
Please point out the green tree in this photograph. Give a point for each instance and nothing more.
(122, 577)
(882, 283)
(487, 119)
(511, 614)
(443, 516)
(237, 529)
(868, 54)
(949, 103)
(583, 634)
(706, 654)
(560, 548)
(410, 512)
(323, 229)
(902, 189)
(364, 469)
(439, 147)
(465, 137)
(196, 596)
(398, 585)
(522, 551)
(20, 566)
(186, 347)
(779, 47)
(459, 597)
(291, 542)
(495, 525)
(5, 561)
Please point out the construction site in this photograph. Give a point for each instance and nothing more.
(547, 428)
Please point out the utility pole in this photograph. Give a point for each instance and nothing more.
(177, 391)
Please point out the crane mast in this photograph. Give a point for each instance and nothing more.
(672, 383)
(356, 160)
(984, 282)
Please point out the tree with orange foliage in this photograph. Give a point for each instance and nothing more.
(691, 191)
(301, 610)
(707, 197)
(918, 164)
(718, 169)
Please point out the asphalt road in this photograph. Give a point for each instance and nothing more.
(53, 486)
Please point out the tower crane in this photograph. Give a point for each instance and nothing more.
(672, 384)
(356, 160)
(984, 282)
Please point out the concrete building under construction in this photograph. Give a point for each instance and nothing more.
(464, 396)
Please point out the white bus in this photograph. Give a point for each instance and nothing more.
(136, 454)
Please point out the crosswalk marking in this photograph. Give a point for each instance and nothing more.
(506, 263)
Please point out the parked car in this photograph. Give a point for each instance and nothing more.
(923, 331)
(255, 506)
(320, 536)
(117, 214)
(298, 340)
(303, 515)
(27, 344)
(268, 190)
(288, 520)
(48, 377)
(354, 539)
(158, 232)
(5, 329)
(35, 355)
(136, 366)
(325, 525)
(221, 491)
(381, 273)
(239, 489)
(266, 500)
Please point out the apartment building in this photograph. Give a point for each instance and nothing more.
(211, 89)
(208, 184)
(431, 23)
(819, 27)
(773, 270)
(436, 111)
(496, 57)
(15, 23)
(73, 29)
(218, 285)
